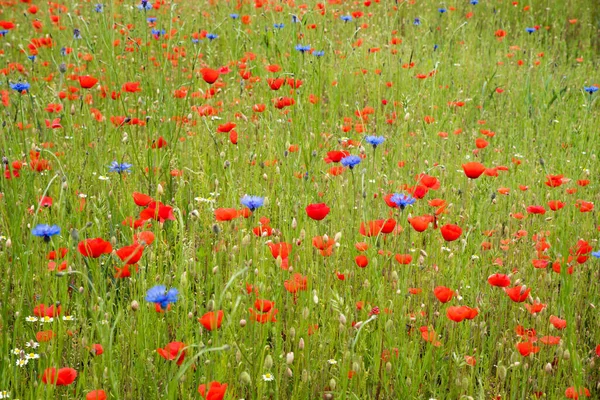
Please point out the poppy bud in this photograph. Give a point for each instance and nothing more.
(342, 319)
(501, 371)
(268, 364)
(8, 243)
(294, 223)
(301, 344)
(135, 305)
(566, 355)
(289, 358)
(292, 333)
(548, 368)
(242, 323)
(245, 378)
(159, 189)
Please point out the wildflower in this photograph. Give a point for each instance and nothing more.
(331, 361)
(374, 140)
(151, 20)
(302, 48)
(596, 254)
(94, 248)
(252, 202)
(417, 22)
(97, 394)
(99, 8)
(319, 53)
(450, 232)
(145, 5)
(350, 161)
(278, 26)
(590, 89)
(16, 351)
(31, 318)
(4, 394)
(20, 86)
(212, 36)
(160, 295)
(216, 390)
(234, 16)
(46, 319)
(473, 170)
(317, 211)
(45, 231)
(62, 377)
(211, 321)
(33, 344)
(346, 18)
(76, 33)
(68, 318)
(21, 362)
(402, 200)
(295, 18)
(172, 351)
(87, 81)
(268, 377)
(474, 2)
(120, 168)
(442, 10)
(32, 356)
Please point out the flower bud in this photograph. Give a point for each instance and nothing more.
(245, 378)
(268, 364)
(289, 358)
(301, 344)
(135, 305)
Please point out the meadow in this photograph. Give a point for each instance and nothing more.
(282, 200)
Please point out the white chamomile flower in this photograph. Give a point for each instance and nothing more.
(268, 377)
(16, 351)
(68, 318)
(32, 356)
(31, 318)
(104, 178)
(332, 361)
(33, 344)
(21, 362)
(4, 394)
(46, 319)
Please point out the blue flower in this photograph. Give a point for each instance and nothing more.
(120, 168)
(212, 36)
(596, 254)
(158, 32)
(530, 30)
(32, 58)
(76, 33)
(63, 51)
(99, 8)
(590, 89)
(302, 48)
(350, 161)
(374, 140)
(435, 47)
(159, 295)
(320, 53)
(20, 86)
(402, 200)
(278, 26)
(45, 231)
(252, 202)
(151, 20)
(234, 16)
(3, 32)
(474, 2)
(442, 10)
(145, 5)
(195, 40)
(295, 19)
(417, 22)
(346, 18)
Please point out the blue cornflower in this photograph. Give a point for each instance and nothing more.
(530, 30)
(120, 168)
(145, 5)
(295, 19)
(234, 16)
(3, 32)
(195, 40)
(151, 20)
(417, 21)
(435, 47)
(402, 200)
(20, 86)
(596, 254)
(374, 140)
(350, 161)
(278, 26)
(63, 51)
(45, 231)
(252, 202)
(590, 89)
(319, 53)
(302, 48)
(76, 33)
(159, 295)
(158, 32)
(346, 18)
(99, 8)
(212, 36)
(442, 10)
(32, 58)
(474, 2)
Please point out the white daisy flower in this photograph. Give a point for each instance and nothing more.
(31, 318)
(4, 394)
(268, 377)
(33, 344)
(46, 319)
(332, 361)
(21, 362)
(68, 318)
(32, 356)
(16, 351)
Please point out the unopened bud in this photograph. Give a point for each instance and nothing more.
(289, 358)
(135, 305)
(268, 362)
(301, 344)
(245, 378)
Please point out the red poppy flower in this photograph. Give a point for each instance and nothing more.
(362, 261)
(499, 280)
(172, 351)
(212, 321)
(443, 293)
(158, 211)
(87, 81)
(317, 211)
(573, 393)
(296, 284)
(527, 348)
(458, 314)
(131, 254)
(420, 223)
(557, 322)
(450, 232)
(473, 170)
(518, 294)
(94, 247)
(41, 310)
(62, 377)
(98, 394)
(550, 340)
(224, 128)
(44, 336)
(280, 249)
(216, 391)
(555, 205)
(555, 180)
(263, 317)
(324, 244)
(535, 308)
(275, 83)
(225, 214)
(536, 210)
(210, 76)
(131, 87)
(336, 156)
(403, 259)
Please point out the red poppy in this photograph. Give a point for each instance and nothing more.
(555, 180)
(573, 393)
(536, 210)
(450, 232)
(94, 247)
(317, 211)
(420, 223)
(296, 284)
(336, 156)
(158, 211)
(280, 249)
(131, 254)
(216, 391)
(518, 294)
(44, 336)
(536, 307)
(377, 227)
(555, 205)
(362, 261)
(324, 244)
(87, 81)
(557, 322)
(550, 340)
(458, 314)
(527, 348)
(224, 128)
(141, 199)
(275, 83)
(210, 76)
(172, 351)
(226, 214)
(131, 87)
(41, 310)
(98, 394)
(263, 305)
(211, 321)
(499, 280)
(443, 293)
(403, 259)
(62, 377)
(263, 317)
(473, 170)
(145, 238)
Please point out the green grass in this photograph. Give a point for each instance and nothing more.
(543, 119)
